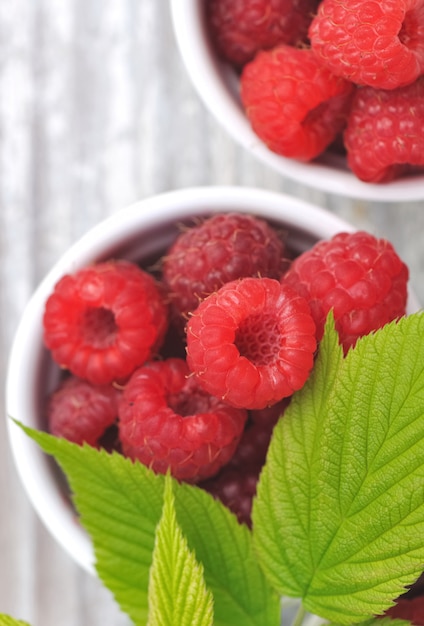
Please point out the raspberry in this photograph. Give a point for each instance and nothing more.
(380, 44)
(384, 136)
(167, 422)
(104, 320)
(253, 446)
(251, 343)
(219, 249)
(235, 484)
(270, 415)
(239, 28)
(235, 487)
(82, 412)
(357, 276)
(410, 609)
(294, 104)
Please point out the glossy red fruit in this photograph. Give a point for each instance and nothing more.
(82, 412)
(235, 485)
(239, 28)
(294, 104)
(384, 136)
(410, 609)
(252, 342)
(167, 422)
(104, 320)
(215, 251)
(380, 44)
(357, 276)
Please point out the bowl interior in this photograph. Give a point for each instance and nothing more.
(141, 233)
(218, 86)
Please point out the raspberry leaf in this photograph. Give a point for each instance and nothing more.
(242, 595)
(120, 504)
(339, 516)
(378, 621)
(177, 590)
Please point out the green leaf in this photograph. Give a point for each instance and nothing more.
(6, 620)
(177, 589)
(120, 504)
(242, 595)
(339, 517)
(379, 621)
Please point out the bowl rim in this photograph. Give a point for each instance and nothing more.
(208, 76)
(33, 466)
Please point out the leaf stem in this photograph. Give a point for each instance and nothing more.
(298, 618)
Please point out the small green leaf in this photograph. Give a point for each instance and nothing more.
(339, 517)
(120, 504)
(6, 620)
(242, 595)
(177, 589)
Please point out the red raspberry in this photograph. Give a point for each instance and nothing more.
(270, 415)
(253, 446)
(357, 276)
(235, 487)
(104, 320)
(82, 412)
(410, 609)
(384, 136)
(168, 422)
(239, 28)
(251, 343)
(235, 484)
(380, 44)
(219, 249)
(295, 105)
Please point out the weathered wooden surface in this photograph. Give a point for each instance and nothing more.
(96, 112)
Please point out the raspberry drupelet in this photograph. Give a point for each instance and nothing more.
(294, 104)
(357, 276)
(104, 320)
(252, 342)
(167, 422)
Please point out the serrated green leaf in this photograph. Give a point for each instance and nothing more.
(177, 589)
(242, 595)
(379, 621)
(339, 518)
(120, 504)
(6, 620)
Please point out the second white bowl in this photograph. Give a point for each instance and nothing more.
(218, 86)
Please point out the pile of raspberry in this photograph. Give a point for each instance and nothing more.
(330, 75)
(188, 365)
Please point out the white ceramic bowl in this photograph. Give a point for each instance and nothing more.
(217, 85)
(139, 232)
